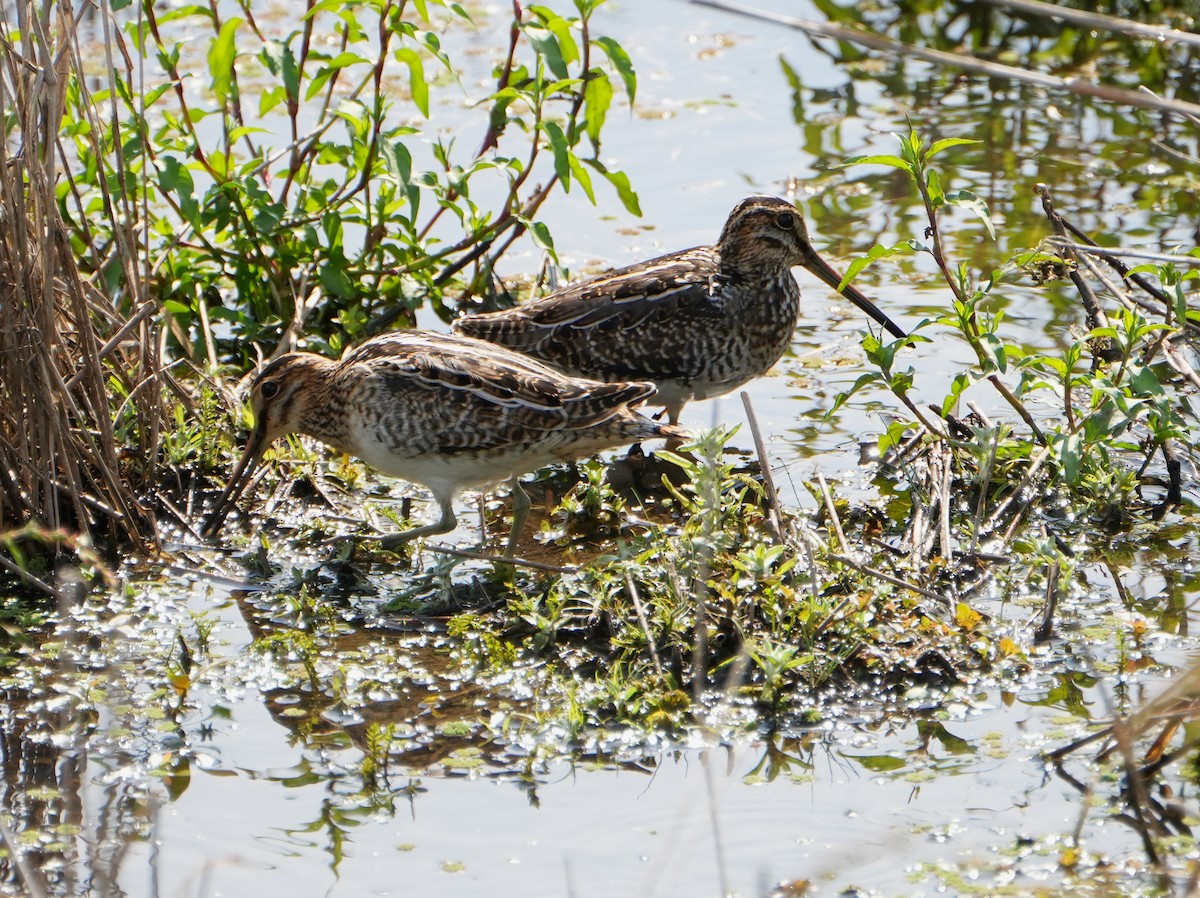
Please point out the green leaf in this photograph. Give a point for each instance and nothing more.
(177, 179)
(842, 398)
(947, 143)
(582, 177)
(541, 235)
(879, 763)
(152, 96)
(331, 68)
(893, 161)
(999, 353)
(291, 77)
(1070, 455)
(238, 133)
(1180, 306)
(558, 143)
(910, 149)
(561, 29)
(1146, 383)
(183, 12)
(547, 48)
(270, 98)
(597, 98)
(221, 56)
(967, 200)
(621, 62)
(894, 435)
(933, 183)
(416, 78)
(961, 382)
(336, 282)
(397, 160)
(878, 251)
(620, 181)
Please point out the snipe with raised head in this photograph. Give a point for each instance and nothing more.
(697, 323)
(444, 411)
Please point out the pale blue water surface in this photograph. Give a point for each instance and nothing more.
(270, 812)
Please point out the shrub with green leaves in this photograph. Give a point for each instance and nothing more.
(288, 177)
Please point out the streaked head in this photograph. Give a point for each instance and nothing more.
(279, 398)
(767, 230)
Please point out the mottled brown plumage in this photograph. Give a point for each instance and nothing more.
(445, 411)
(697, 323)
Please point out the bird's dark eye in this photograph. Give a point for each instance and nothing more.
(270, 390)
(786, 220)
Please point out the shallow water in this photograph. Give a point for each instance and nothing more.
(863, 800)
(236, 796)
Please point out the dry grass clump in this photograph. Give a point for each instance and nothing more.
(75, 356)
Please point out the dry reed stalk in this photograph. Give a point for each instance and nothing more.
(60, 464)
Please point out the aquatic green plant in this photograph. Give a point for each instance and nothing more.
(1087, 422)
(705, 605)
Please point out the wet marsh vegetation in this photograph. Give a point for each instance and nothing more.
(915, 617)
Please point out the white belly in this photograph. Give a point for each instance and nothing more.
(445, 474)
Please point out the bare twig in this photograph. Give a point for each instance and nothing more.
(1102, 348)
(764, 464)
(832, 512)
(1061, 242)
(1099, 21)
(1136, 793)
(631, 587)
(1045, 626)
(945, 463)
(506, 559)
(895, 581)
(988, 468)
(961, 61)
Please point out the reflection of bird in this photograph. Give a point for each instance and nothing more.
(444, 411)
(698, 323)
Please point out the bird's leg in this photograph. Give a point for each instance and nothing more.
(673, 413)
(520, 501)
(444, 524)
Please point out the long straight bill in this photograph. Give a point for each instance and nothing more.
(255, 447)
(821, 269)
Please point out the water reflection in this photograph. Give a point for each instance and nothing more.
(337, 757)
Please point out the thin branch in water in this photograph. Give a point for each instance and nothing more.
(832, 512)
(943, 487)
(1045, 627)
(1099, 21)
(1103, 349)
(514, 560)
(764, 464)
(1121, 252)
(895, 581)
(1135, 794)
(631, 587)
(960, 61)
